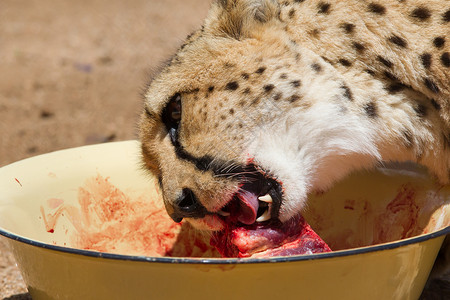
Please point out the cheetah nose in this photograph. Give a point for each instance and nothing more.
(187, 205)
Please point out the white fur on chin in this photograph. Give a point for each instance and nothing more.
(311, 152)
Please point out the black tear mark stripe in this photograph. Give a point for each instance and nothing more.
(207, 163)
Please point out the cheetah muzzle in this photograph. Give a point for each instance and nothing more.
(258, 199)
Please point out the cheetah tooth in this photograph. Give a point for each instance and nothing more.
(264, 217)
(266, 198)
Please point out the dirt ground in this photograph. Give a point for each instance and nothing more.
(72, 73)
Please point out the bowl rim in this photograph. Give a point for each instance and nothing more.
(221, 261)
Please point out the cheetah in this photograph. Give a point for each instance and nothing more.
(273, 100)
(270, 101)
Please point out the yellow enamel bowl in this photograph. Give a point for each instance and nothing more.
(88, 223)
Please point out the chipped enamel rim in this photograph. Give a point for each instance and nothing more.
(213, 261)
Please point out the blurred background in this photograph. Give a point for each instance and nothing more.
(72, 74)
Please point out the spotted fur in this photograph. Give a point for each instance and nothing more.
(308, 91)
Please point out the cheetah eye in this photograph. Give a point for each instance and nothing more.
(171, 116)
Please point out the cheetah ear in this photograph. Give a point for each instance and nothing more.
(239, 18)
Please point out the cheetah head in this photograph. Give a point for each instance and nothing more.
(243, 123)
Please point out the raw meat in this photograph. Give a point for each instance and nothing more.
(265, 240)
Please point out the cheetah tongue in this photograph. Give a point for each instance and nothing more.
(248, 207)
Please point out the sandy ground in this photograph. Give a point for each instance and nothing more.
(72, 72)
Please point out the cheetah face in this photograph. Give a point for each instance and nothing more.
(199, 131)
(239, 135)
(242, 129)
